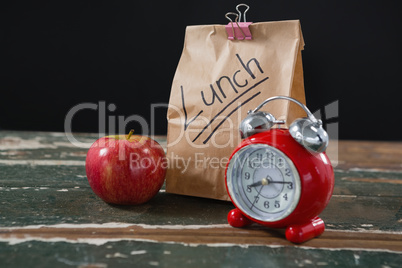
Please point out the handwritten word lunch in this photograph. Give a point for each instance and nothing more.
(216, 94)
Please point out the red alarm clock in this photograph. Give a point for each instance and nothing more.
(280, 178)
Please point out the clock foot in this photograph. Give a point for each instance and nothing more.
(237, 219)
(304, 232)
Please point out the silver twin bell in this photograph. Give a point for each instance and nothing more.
(306, 131)
(257, 122)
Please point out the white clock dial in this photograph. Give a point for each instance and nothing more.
(263, 182)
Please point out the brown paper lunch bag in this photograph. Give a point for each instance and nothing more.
(216, 82)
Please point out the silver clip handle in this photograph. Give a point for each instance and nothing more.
(232, 13)
(244, 13)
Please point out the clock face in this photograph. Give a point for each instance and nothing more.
(263, 182)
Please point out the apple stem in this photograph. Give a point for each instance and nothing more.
(129, 134)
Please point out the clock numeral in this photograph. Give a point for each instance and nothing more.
(285, 196)
(251, 164)
(256, 199)
(271, 155)
(248, 189)
(290, 185)
(266, 204)
(281, 162)
(256, 161)
(277, 204)
(287, 172)
(247, 175)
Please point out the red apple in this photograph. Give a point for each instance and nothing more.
(126, 169)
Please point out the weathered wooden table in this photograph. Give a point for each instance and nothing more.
(49, 216)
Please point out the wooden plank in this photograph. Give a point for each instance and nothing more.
(373, 155)
(52, 203)
(368, 183)
(148, 254)
(195, 235)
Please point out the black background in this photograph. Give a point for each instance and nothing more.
(57, 54)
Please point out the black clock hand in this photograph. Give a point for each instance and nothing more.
(264, 181)
(282, 182)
